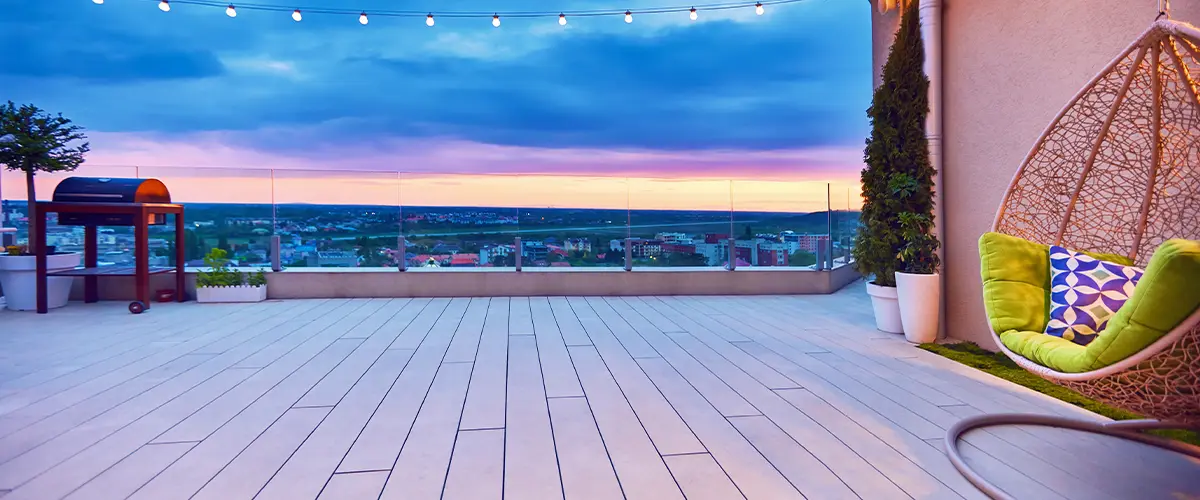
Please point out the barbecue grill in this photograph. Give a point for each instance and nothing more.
(109, 190)
(92, 202)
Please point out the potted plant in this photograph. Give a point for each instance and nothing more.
(220, 283)
(37, 141)
(918, 285)
(898, 175)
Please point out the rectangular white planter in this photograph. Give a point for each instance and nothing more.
(244, 293)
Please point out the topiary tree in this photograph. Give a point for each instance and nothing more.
(37, 141)
(898, 178)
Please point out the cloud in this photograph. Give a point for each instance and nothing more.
(795, 79)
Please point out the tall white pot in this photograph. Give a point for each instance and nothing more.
(887, 310)
(920, 297)
(18, 278)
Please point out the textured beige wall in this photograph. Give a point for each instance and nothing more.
(883, 31)
(1009, 67)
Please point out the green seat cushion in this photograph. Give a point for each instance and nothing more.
(1016, 288)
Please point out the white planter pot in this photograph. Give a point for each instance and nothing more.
(887, 310)
(920, 299)
(244, 293)
(18, 278)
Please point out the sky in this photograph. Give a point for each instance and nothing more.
(680, 106)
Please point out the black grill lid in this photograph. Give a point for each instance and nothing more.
(111, 190)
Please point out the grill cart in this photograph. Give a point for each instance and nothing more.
(93, 202)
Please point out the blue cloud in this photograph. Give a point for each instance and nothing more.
(795, 78)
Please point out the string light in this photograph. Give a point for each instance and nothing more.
(362, 19)
(626, 15)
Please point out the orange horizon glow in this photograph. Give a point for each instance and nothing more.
(250, 186)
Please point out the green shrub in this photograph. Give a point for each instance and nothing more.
(218, 274)
(257, 279)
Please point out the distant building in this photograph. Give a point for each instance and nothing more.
(464, 260)
(808, 242)
(534, 251)
(445, 248)
(715, 238)
(763, 252)
(489, 252)
(332, 258)
(688, 248)
(679, 238)
(578, 245)
(715, 253)
(639, 247)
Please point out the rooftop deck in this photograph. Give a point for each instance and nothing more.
(523, 398)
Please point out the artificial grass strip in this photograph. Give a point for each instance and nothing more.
(999, 365)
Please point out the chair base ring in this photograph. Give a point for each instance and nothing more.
(1128, 429)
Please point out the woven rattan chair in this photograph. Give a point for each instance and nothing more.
(1118, 171)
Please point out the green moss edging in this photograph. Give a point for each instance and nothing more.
(999, 365)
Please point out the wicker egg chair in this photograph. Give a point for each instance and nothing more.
(1118, 171)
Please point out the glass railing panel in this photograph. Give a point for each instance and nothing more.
(337, 218)
(15, 209)
(460, 220)
(679, 222)
(847, 200)
(573, 221)
(781, 223)
(226, 208)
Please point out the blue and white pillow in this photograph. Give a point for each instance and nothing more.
(1084, 293)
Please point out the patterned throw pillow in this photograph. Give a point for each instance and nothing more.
(1085, 293)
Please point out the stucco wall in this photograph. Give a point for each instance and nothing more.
(1009, 67)
(883, 31)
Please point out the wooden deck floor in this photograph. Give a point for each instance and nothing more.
(523, 398)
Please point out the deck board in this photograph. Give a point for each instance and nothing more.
(522, 397)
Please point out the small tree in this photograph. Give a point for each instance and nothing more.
(40, 142)
(898, 177)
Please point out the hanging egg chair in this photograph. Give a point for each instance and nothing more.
(1117, 173)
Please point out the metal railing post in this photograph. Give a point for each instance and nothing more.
(732, 254)
(276, 258)
(402, 245)
(628, 254)
(518, 249)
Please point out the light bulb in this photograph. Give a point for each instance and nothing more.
(296, 15)
(362, 19)
(562, 18)
(693, 14)
(163, 6)
(496, 21)
(429, 20)
(230, 11)
(758, 8)
(628, 17)
(98, 2)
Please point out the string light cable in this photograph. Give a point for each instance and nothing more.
(232, 9)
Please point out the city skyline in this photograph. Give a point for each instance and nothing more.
(661, 97)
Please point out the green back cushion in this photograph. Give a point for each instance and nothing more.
(1016, 289)
(1016, 281)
